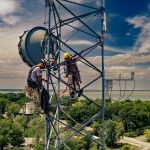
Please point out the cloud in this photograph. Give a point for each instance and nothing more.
(113, 61)
(9, 40)
(98, 3)
(80, 42)
(121, 63)
(127, 60)
(8, 7)
(8, 10)
(79, 1)
(143, 22)
(113, 49)
(11, 19)
(137, 21)
(13, 68)
(83, 1)
(110, 37)
(128, 34)
(140, 73)
(66, 30)
(90, 43)
(13, 12)
(113, 70)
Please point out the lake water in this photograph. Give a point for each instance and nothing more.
(115, 95)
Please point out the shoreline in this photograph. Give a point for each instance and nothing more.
(90, 90)
(115, 95)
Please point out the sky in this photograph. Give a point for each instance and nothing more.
(126, 45)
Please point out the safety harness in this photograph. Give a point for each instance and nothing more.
(70, 67)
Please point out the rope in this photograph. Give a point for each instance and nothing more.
(124, 91)
(131, 91)
(125, 85)
(132, 75)
(119, 90)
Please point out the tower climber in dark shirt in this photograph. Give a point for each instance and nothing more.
(72, 73)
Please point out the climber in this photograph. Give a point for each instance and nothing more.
(72, 73)
(34, 81)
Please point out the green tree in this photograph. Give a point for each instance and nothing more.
(4, 129)
(21, 121)
(147, 134)
(77, 143)
(3, 103)
(114, 131)
(39, 147)
(21, 98)
(125, 147)
(11, 97)
(97, 128)
(10, 134)
(36, 128)
(134, 114)
(82, 110)
(13, 108)
(1, 116)
(15, 136)
(78, 111)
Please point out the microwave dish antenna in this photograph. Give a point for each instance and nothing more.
(32, 45)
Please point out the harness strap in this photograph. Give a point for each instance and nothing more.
(71, 66)
(29, 75)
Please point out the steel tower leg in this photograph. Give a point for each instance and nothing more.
(103, 30)
(48, 56)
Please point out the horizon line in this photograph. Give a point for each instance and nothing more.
(84, 90)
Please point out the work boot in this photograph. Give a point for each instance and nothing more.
(72, 94)
(80, 92)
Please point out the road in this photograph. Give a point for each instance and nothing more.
(142, 145)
